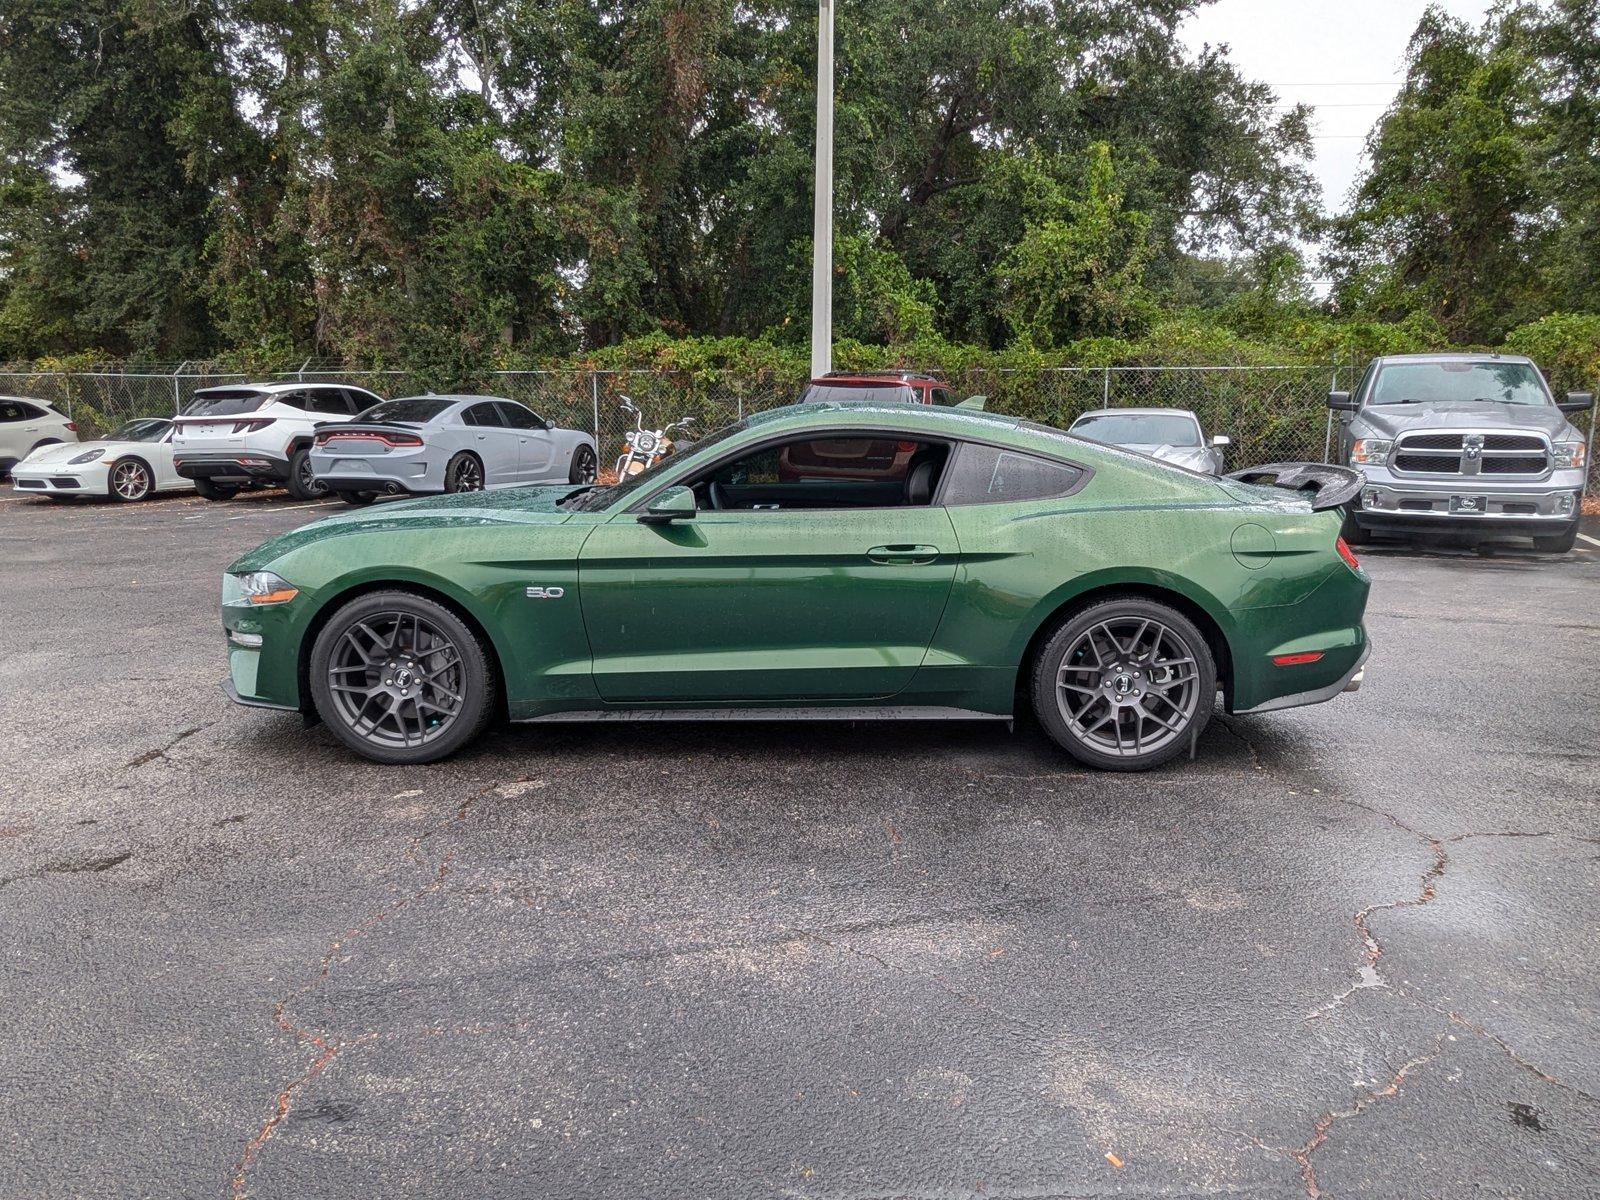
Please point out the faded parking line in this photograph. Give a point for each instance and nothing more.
(1590, 540)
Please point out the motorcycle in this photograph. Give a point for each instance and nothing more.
(643, 448)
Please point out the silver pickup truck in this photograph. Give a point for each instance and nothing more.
(1463, 443)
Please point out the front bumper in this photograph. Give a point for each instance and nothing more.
(231, 466)
(60, 481)
(1468, 503)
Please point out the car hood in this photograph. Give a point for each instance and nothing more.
(1193, 457)
(1391, 420)
(64, 451)
(462, 511)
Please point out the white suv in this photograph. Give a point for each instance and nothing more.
(25, 425)
(255, 434)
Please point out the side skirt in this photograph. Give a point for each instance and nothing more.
(807, 713)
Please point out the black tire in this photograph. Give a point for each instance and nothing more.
(129, 480)
(302, 484)
(585, 466)
(416, 628)
(360, 499)
(1560, 543)
(208, 490)
(463, 473)
(1351, 531)
(1119, 689)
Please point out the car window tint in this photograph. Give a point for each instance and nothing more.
(941, 396)
(10, 410)
(329, 401)
(361, 400)
(225, 402)
(485, 416)
(518, 417)
(868, 471)
(291, 399)
(987, 475)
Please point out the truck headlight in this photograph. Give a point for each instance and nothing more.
(1569, 455)
(1370, 452)
(263, 587)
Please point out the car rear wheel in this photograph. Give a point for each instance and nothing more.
(400, 678)
(303, 482)
(584, 466)
(129, 480)
(358, 498)
(1125, 685)
(463, 473)
(208, 490)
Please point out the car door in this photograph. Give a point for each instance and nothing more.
(15, 439)
(766, 604)
(493, 443)
(535, 444)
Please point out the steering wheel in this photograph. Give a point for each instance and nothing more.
(719, 496)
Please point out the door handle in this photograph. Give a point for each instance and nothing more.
(902, 554)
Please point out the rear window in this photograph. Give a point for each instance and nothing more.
(411, 410)
(859, 393)
(225, 402)
(1139, 429)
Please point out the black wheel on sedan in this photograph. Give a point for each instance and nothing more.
(1125, 684)
(400, 678)
(463, 473)
(585, 467)
(130, 479)
(359, 499)
(303, 483)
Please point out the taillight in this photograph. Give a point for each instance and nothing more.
(253, 426)
(1347, 554)
(72, 425)
(369, 435)
(1296, 660)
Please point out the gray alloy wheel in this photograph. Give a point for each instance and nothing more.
(130, 479)
(1125, 684)
(463, 473)
(303, 482)
(585, 466)
(400, 678)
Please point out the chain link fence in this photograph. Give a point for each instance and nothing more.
(1272, 413)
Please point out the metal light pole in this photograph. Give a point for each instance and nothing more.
(822, 202)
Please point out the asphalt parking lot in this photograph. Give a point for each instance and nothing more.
(1348, 951)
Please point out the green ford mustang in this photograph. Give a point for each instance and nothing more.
(818, 561)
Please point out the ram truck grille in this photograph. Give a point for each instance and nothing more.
(1513, 454)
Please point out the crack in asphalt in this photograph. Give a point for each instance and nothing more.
(327, 1046)
(1255, 754)
(82, 866)
(161, 751)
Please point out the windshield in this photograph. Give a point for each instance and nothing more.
(146, 429)
(410, 410)
(1459, 383)
(605, 495)
(1139, 429)
(225, 402)
(859, 393)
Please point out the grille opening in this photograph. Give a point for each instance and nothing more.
(1520, 464)
(1438, 464)
(1433, 441)
(1512, 441)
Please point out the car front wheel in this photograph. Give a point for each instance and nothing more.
(1559, 543)
(130, 479)
(1125, 684)
(399, 678)
(584, 467)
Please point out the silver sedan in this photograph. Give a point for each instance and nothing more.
(1171, 434)
(423, 444)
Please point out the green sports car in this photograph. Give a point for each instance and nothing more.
(822, 561)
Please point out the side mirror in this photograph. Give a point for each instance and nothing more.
(673, 504)
(1576, 402)
(981, 403)
(1222, 439)
(1341, 402)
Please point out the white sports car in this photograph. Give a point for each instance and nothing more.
(131, 464)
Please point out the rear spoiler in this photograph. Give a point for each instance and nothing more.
(1329, 486)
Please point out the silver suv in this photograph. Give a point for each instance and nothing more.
(1463, 443)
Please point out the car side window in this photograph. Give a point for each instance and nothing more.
(10, 410)
(361, 400)
(839, 471)
(990, 475)
(484, 416)
(519, 417)
(292, 399)
(941, 396)
(328, 401)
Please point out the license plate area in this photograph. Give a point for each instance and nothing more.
(1469, 505)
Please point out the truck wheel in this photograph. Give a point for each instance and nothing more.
(208, 490)
(1559, 543)
(1352, 533)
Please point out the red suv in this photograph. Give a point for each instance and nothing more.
(899, 387)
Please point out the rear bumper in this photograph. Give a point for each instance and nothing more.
(415, 473)
(1349, 682)
(231, 466)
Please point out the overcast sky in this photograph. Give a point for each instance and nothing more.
(1341, 56)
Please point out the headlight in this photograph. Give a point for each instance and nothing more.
(85, 458)
(1570, 455)
(263, 587)
(1370, 452)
